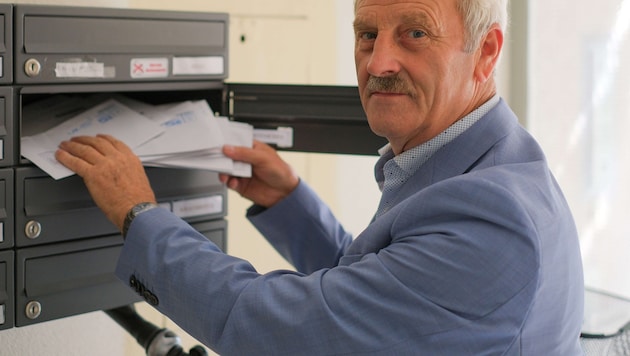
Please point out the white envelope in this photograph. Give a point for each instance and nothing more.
(110, 118)
(175, 135)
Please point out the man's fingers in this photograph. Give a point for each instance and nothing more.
(83, 148)
(255, 155)
(102, 144)
(80, 153)
(72, 162)
(115, 143)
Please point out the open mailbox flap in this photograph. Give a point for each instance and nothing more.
(308, 118)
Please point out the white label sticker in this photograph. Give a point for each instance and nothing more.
(281, 137)
(149, 68)
(197, 207)
(80, 70)
(198, 66)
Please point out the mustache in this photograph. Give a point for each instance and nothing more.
(393, 84)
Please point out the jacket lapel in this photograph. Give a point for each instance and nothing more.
(460, 155)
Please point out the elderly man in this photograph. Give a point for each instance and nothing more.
(472, 251)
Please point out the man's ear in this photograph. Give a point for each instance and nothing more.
(489, 52)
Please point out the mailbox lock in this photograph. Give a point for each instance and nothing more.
(32, 67)
(33, 229)
(33, 310)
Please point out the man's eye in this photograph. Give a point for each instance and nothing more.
(417, 34)
(367, 36)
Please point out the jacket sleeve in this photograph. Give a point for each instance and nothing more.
(398, 299)
(303, 230)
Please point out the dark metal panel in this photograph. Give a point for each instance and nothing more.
(6, 43)
(7, 306)
(68, 34)
(215, 231)
(7, 216)
(327, 119)
(50, 211)
(7, 132)
(60, 44)
(65, 279)
(61, 280)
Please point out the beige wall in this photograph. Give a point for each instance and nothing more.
(285, 41)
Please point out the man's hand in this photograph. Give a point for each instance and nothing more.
(272, 178)
(112, 173)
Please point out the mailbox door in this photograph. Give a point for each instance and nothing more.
(6, 290)
(308, 118)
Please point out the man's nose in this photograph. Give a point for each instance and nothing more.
(384, 59)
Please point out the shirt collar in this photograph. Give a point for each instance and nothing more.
(412, 159)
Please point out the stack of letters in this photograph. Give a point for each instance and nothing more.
(179, 135)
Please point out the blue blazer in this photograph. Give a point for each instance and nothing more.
(479, 256)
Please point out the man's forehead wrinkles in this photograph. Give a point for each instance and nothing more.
(368, 18)
(372, 19)
(415, 17)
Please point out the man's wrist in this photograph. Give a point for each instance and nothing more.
(135, 211)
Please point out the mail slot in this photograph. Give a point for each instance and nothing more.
(43, 106)
(78, 277)
(69, 44)
(6, 208)
(49, 210)
(6, 290)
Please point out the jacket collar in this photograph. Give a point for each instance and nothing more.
(460, 155)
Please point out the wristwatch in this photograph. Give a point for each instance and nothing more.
(135, 211)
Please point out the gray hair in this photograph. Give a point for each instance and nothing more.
(478, 16)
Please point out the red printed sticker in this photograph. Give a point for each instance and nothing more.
(149, 68)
